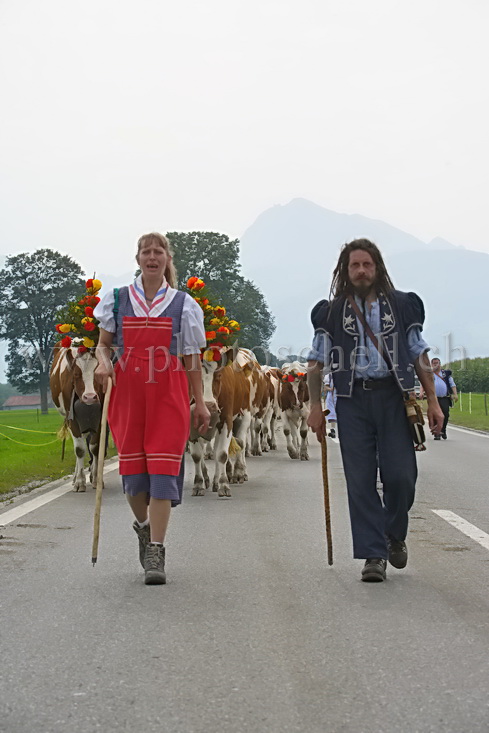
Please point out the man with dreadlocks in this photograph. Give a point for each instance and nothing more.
(370, 386)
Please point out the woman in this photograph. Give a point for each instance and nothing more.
(330, 404)
(153, 325)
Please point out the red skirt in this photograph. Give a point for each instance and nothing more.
(149, 411)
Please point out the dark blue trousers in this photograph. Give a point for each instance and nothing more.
(369, 421)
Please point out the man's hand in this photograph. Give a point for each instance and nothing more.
(317, 422)
(435, 417)
(201, 418)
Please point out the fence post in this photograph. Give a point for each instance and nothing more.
(460, 401)
(485, 402)
(470, 403)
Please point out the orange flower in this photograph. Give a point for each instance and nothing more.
(224, 331)
(220, 311)
(191, 282)
(210, 335)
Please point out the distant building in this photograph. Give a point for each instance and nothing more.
(24, 402)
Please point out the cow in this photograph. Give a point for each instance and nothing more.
(79, 401)
(272, 412)
(227, 394)
(294, 403)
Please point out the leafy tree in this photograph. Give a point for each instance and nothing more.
(34, 287)
(215, 258)
(471, 375)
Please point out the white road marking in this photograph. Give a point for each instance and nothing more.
(469, 529)
(468, 432)
(29, 506)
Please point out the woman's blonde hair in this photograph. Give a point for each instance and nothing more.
(155, 237)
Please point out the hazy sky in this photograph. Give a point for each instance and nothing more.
(121, 117)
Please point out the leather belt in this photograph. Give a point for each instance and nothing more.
(369, 384)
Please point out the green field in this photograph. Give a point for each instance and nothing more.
(26, 460)
(461, 415)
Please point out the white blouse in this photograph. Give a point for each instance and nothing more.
(192, 324)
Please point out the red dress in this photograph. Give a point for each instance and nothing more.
(149, 411)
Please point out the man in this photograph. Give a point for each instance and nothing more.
(446, 393)
(370, 402)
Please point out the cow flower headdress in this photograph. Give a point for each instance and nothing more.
(220, 330)
(293, 376)
(78, 325)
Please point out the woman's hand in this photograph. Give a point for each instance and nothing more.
(201, 417)
(102, 374)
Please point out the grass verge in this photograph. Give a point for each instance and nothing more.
(24, 460)
(469, 412)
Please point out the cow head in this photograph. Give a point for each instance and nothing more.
(82, 366)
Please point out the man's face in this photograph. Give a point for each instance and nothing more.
(362, 272)
(435, 364)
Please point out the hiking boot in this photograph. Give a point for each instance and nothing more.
(444, 436)
(398, 554)
(374, 570)
(154, 565)
(332, 433)
(437, 437)
(143, 534)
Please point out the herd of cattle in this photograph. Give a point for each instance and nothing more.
(245, 401)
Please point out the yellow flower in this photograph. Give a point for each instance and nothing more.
(208, 355)
(215, 322)
(66, 328)
(96, 285)
(87, 319)
(88, 342)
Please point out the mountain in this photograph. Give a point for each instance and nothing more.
(290, 252)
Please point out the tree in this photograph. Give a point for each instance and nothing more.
(215, 258)
(34, 288)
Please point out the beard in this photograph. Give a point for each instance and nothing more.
(362, 288)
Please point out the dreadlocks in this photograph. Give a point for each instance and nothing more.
(341, 283)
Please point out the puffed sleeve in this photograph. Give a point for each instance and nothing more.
(192, 327)
(414, 311)
(104, 312)
(319, 314)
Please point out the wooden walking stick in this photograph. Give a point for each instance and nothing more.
(100, 472)
(327, 513)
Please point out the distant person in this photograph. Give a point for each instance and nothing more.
(446, 392)
(371, 385)
(330, 404)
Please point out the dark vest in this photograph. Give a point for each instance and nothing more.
(398, 313)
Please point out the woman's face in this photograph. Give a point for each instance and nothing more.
(153, 259)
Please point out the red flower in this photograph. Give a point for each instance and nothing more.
(58, 327)
(96, 299)
(89, 284)
(66, 342)
(89, 311)
(191, 282)
(82, 349)
(90, 326)
(290, 378)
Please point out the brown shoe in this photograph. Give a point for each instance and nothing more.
(154, 565)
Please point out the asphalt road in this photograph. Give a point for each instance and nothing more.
(253, 631)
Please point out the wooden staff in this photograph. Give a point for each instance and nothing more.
(100, 472)
(327, 513)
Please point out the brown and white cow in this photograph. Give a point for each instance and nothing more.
(227, 394)
(79, 401)
(272, 412)
(294, 402)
